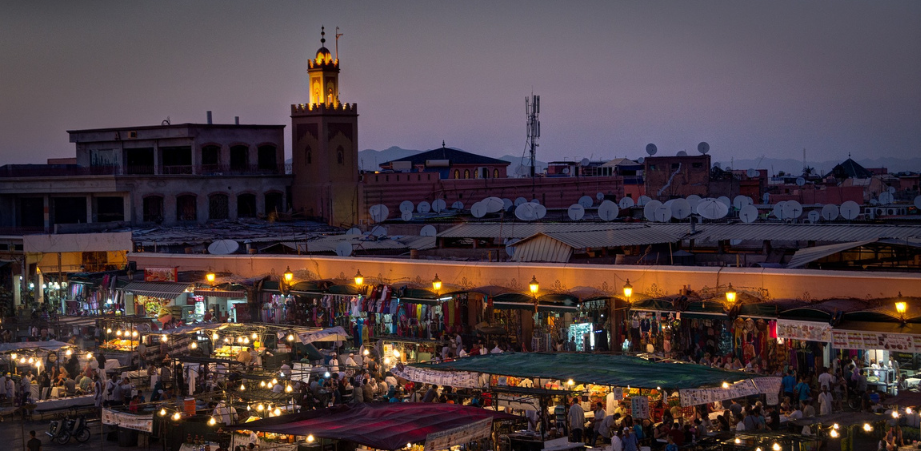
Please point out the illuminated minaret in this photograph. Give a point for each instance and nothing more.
(325, 146)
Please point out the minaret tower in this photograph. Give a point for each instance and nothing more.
(324, 146)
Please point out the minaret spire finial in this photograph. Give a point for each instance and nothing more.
(322, 36)
(442, 143)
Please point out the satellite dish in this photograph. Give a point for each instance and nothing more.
(493, 204)
(641, 160)
(424, 207)
(751, 172)
(520, 200)
(626, 202)
(885, 198)
(735, 242)
(457, 205)
(608, 211)
(740, 201)
(718, 165)
(344, 248)
(663, 213)
(379, 212)
(649, 210)
(643, 200)
(223, 247)
(510, 246)
(748, 214)
(576, 212)
(874, 202)
(507, 204)
(586, 202)
(540, 210)
(711, 208)
(478, 210)
(379, 231)
(693, 200)
(918, 202)
(406, 216)
(682, 153)
(800, 181)
(651, 149)
(353, 231)
(599, 196)
(428, 230)
(535, 201)
(438, 205)
(849, 210)
(584, 162)
(891, 190)
(792, 210)
(830, 212)
(565, 170)
(778, 209)
(407, 206)
(813, 216)
(681, 209)
(526, 212)
(725, 200)
(703, 148)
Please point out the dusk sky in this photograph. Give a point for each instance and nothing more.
(751, 78)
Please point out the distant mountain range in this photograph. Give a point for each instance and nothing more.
(370, 159)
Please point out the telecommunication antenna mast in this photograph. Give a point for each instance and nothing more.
(532, 110)
(338, 35)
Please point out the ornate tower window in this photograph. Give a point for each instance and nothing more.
(340, 155)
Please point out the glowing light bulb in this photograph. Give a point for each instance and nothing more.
(386, 360)
(215, 336)
(194, 346)
(908, 410)
(396, 353)
(245, 341)
(89, 355)
(119, 333)
(895, 414)
(134, 333)
(738, 440)
(277, 411)
(867, 427)
(274, 381)
(212, 421)
(13, 355)
(290, 337)
(260, 407)
(835, 426)
(366, 352)
(176, 416)
(162, 412)
(255, 336)
(570, 382)
(326, 374)
(31, 360)
(109, 330)
(69, 353)
(725, 384)
(310, 438)
(289, 389)
(834, 434)
(242, 387)
(262, 384)
(775, 447)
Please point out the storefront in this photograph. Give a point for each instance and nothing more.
(166, 301)
(218, 304)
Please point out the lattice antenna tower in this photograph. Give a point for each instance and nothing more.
(532, 110)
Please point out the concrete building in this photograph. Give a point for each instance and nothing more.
(164, 174)
(679, 176)
(450, 164)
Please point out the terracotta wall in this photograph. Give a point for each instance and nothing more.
(647, 281)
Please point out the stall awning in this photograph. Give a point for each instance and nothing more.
(235, 294)
(601, 369)
(162, 290)
(51, 345)
(386, 426)
(332, 334)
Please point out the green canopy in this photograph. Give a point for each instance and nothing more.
(600, 369)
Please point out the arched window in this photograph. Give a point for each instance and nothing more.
(466, 173)
(340, 155)
(267, 158)
(495, 173)
(218, 207)
(457, 173)
(246, 205)
(153, 209)
(308, 155)
(186, 208)
(239, 158)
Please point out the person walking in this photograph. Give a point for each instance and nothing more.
(576, 420)
(826, 401)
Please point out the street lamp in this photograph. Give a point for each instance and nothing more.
(359, 279)
(534, 286)
(210, 277)
(628, 290)
(730, 295)
(436, 284)
(901, 307)
(289, 276)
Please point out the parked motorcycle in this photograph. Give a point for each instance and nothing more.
(61, 431)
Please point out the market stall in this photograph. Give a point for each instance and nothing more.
(390, 426)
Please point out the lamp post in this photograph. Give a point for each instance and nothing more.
(730, 295)
(901, 307)
(533, 286)
(628, 292)
(436, 284)
(210, 278)
(359, 279)
(289, 276)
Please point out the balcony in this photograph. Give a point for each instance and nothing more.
(53, 170)
(70, 170)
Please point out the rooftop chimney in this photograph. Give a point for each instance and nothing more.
(236, 120)
(209, 118)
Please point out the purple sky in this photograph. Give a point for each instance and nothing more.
(751, 78)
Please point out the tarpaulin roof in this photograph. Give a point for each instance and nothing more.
(387, 426)
(162, 290)
(51, 345)
(601, 369)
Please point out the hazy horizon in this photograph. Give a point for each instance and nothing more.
(751, 79)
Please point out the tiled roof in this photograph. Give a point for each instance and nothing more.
(455, 156)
